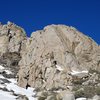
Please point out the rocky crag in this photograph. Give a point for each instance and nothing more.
(57, 61)
(11, 44)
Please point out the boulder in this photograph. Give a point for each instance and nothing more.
(67, 95)
(96, 97)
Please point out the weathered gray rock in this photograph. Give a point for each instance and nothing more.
(96, 97)
(11, 45)
(11, 37)
(51, 54)
(66, 95)
(52, 59)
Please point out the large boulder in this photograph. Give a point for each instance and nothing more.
(96, 97)
(66, 95)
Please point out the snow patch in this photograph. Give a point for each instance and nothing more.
(8, 72)
(2, 77)
(78, 72)
(81, 99)
(2, 86)
(59, 68)
(6, 96)
(1, 67)
(12, 80)
(18, 90)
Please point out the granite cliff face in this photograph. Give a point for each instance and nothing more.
(11, 43)
(51, 55)
(52, 59)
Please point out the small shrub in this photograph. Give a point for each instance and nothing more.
(97, 90)
(86, 91)
(77, 82)
(94, 71)
(41, 98)
(79, 93)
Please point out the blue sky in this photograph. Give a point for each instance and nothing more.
(33, 15)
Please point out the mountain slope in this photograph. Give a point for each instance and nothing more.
(57, 62)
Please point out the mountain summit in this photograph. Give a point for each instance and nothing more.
(57, 58)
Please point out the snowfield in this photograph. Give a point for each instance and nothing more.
(6, 96)
(10, 87)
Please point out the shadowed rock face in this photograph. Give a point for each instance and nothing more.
(10, 60)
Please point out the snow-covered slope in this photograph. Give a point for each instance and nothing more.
(9, 90)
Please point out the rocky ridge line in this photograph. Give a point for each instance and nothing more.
(57, 58)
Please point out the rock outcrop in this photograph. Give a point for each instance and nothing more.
(11, 44)
(55, 55)
(55, 59)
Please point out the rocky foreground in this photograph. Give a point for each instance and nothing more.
(9, 90)
(56, 63)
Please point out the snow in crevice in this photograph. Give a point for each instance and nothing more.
(2, 69)
(8, 72)
(59, 68)
(81, 98)
(73, 72)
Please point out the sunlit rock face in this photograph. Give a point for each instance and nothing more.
(53, 55)
(53, 61)
(11, 45)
